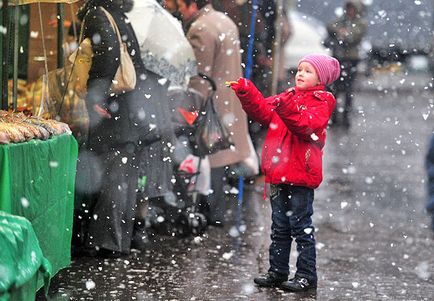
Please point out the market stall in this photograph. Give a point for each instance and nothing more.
(21, 261)
(35, 34)
(37, 176)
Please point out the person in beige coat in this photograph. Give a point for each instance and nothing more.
(215, 41)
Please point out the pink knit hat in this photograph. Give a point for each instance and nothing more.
(327, 67)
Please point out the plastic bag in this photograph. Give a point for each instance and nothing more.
(211, 135)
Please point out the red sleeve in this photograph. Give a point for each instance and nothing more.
(256, 106)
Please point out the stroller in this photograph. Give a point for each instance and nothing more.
(182, 217)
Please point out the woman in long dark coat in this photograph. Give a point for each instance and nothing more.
(119, 127)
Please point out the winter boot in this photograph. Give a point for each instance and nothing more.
(334, 119)
(346, 121)
(271, 279)
(298, 284)
(140, 239)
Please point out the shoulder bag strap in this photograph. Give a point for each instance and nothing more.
(113, 23)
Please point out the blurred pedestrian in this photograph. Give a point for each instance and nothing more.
(276, 19)
(265, 46)
(429, 164)
(172, 7)
(215, 40)
(241, 13)
(116, 125)
(345, 36)
(165, 50)
(292, 163)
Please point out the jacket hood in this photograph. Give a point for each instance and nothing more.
(122, 6)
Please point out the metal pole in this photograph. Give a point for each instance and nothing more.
(60, 19)
(16, 48)
(249, 64)
(5, 55)
(276, 46)
(247, 74)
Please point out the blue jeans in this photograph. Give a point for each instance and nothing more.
(292, 208)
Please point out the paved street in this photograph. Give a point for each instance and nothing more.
(373, 237)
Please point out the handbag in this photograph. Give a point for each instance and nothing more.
(125, 77)
(210, 135)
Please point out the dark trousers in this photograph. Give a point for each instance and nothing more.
(344, 85)
(111, 203)
(213, 206)
(292, 208)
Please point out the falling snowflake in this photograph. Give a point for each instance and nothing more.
(369, 180)
(234, 191)
(228, 255)
(273, 126)
(319, 245)
(248, 289)
(197, 239)
(54, 164)
(162, 81)
(423, 270)
(233, 232)
(33, 256)
(90, 285)
(25, 202)
(308, 230)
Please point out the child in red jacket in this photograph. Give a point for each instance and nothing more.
(292, 163)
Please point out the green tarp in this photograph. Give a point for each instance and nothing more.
(21, 259)
(37, 182)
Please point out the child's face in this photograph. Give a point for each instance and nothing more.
(306, 76)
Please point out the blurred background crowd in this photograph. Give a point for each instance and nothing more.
(140, 172)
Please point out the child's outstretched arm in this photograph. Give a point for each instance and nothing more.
(305, 121)
(252, 100)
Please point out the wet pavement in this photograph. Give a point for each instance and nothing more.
(373, 237)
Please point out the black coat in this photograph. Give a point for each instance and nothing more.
(133, 117)
(137, 122)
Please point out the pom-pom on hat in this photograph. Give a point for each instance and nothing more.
(327, 67)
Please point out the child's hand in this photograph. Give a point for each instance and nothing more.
(240, 87)
(229, 83)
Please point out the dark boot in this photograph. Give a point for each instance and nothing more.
(105, 253)
(140, 240)
(202, 206)
(298, 284)
(346, 121)
(270, 279)
(334, 119)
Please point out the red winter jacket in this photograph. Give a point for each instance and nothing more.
(297, 121)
